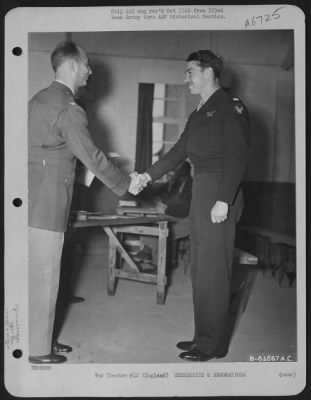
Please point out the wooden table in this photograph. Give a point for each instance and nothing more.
(113, 225)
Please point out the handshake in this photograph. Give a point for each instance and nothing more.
(138, 182)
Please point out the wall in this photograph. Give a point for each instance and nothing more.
(40, 72)
(255, 60)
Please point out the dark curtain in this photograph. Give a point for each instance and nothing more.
(144, 127)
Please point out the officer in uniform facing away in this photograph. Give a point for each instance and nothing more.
(216, 140)
(58, 135)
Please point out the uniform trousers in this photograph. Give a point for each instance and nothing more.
(212, 251)
(45, 250)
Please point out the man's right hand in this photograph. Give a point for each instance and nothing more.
(138, 182)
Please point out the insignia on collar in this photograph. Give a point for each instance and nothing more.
(209, 114)
(72, 103)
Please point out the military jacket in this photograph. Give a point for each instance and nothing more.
(57, 135)
(216, 140)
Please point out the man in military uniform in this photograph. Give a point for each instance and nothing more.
(58, 134)
(216, 140)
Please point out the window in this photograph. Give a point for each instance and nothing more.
(172, 104)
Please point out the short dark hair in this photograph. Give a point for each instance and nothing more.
(207, 59)
(63, 51)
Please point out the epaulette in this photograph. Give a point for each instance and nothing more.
(238, 105)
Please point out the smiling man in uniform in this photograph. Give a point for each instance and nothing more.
(216, 141)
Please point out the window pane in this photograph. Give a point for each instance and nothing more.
(157, 148)
(172, 109)
(175, 91)
(157, 132)
(159, 90)
(158, 108)
(155, 159)
(171, 132)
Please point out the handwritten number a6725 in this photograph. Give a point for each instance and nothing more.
(260, 19)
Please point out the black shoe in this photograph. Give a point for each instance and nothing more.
(195, 355)
(75, 299)
(186, 346)
(61, 348)
(48, 359)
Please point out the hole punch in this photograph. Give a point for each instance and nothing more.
(17, 51)
(17, 353)
(17, 202)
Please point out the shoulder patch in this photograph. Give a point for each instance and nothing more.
(239, 108)
(238, 105)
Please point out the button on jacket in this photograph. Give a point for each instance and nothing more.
(58, 135)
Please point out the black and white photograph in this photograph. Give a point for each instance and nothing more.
(155, 201)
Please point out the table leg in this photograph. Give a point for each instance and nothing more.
(161, 278)
(119, 259)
